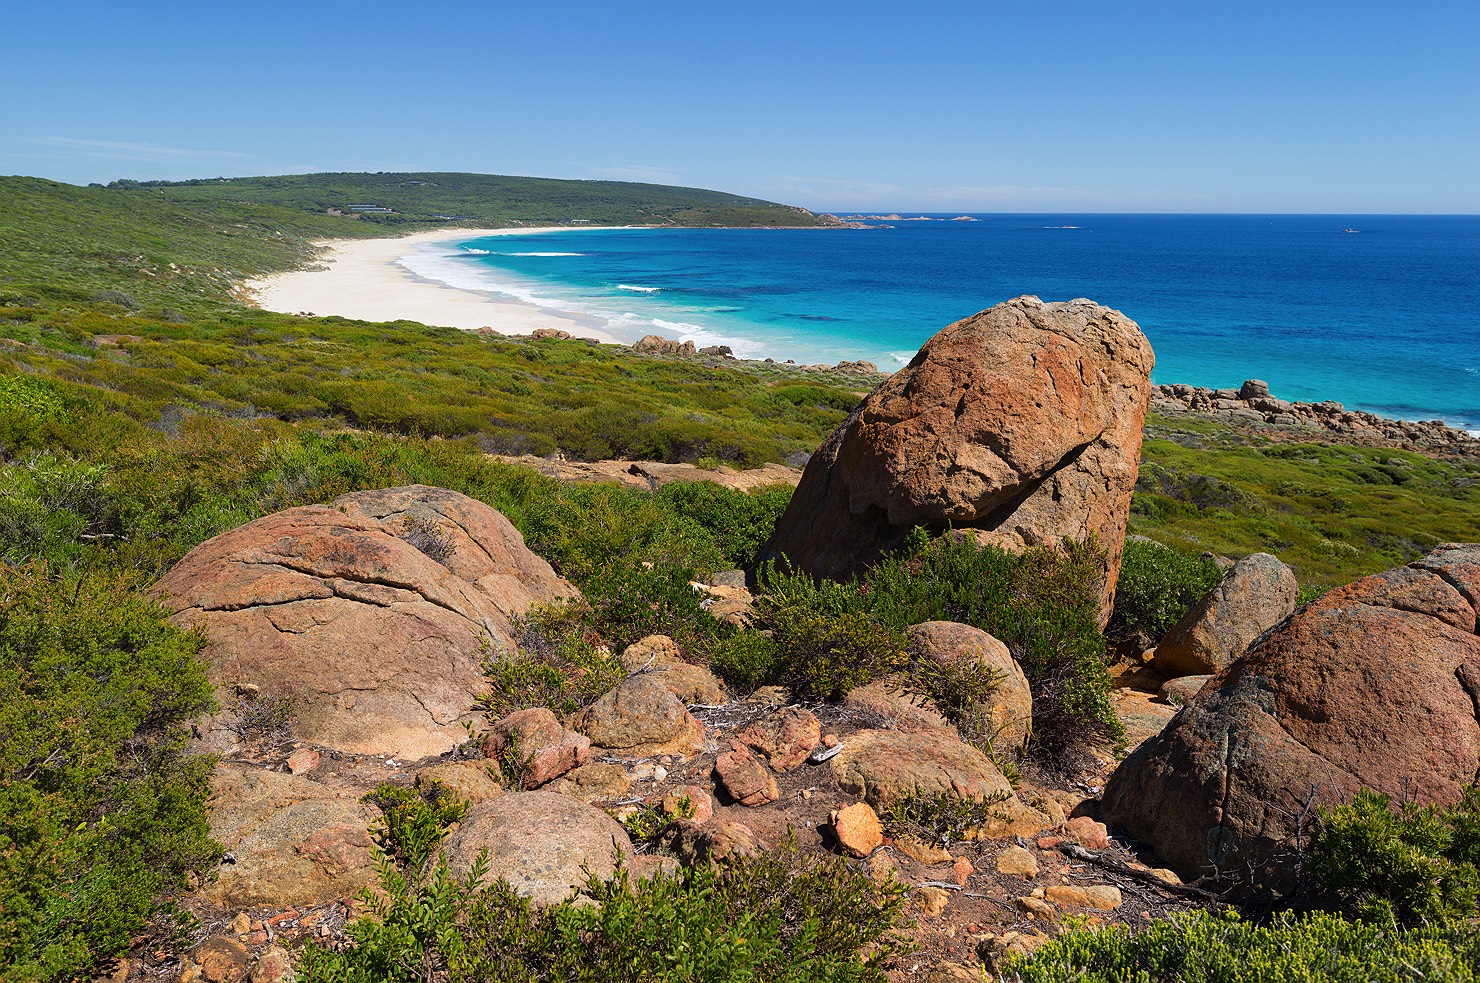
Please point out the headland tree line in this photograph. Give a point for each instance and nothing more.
(384, 651)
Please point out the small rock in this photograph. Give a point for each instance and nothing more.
(547, 748)
(880, 867)
(830, 740)
(1180, 691)
(921, 852)
(222, 960)
(545, 845)
(717, 840)
(1017, 862)
(949, 972)
(995, 950)
(1088, 833)
(641, 717)
(745, 779)
(303, 761)
(597, 781)
(273, 966)
(932, 900)
(690, 802)
(962, 870)
(468, 780)
(1105, 897)
(858, 829)
(784, 737)
(1167, 876)
(1037, 907)
(241, 924)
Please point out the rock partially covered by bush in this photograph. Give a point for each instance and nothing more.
(1021, 424)
(1376, 685)
(372, 614)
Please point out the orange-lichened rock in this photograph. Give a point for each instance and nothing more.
(1376, 685)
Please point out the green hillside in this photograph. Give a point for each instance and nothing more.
(493, 199)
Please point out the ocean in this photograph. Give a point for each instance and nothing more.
(1379, 312)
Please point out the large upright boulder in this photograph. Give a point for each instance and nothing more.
(1375, 685)
(372, 614)
(1257, 594)
(1021, 424)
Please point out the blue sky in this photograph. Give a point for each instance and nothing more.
(1293, 106)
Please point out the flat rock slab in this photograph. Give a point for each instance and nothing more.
(295, 841)
(539, 842)
(884, 766)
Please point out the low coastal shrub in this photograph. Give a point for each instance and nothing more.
(559, 663)
(786, 915)
(1042, 603)
(1211, 947)
(942, 818)
(101, 812)
(1384, 861)
(1156, 587)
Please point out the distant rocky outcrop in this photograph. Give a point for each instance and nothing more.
(1021, 424)
(1257, 594)
(658, 345)
(372, 614)
(1253, 405)
(1375, 685)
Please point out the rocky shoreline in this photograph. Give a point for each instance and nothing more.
(1253, 405)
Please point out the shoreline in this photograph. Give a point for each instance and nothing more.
(363, 279)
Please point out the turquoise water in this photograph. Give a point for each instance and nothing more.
(1385, 318)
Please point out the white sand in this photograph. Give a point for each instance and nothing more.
(361, 280)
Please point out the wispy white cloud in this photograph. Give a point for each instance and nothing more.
(648, 173)
(125, 150)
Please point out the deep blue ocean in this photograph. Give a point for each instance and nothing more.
(1384, 318)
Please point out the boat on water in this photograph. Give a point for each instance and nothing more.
(1351, 230)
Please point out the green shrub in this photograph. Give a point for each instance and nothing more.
(1042, 603)
(416, 820)
(1410, 863)
(782, 916)
(629, 603)
(100, 811)
(824, 655)
(942, 818)
(559, 663)
(1156, 587)
(745, 660)
(1208, 947)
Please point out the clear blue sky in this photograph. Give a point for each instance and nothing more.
(1240, 106)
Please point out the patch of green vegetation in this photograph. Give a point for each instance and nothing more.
(488, 200)
(101, 813)
(1206, 947)
(1409, 863)
(941, 818)
(784, 915)
(1043, 604)
(1331, 512)
(1156, 587)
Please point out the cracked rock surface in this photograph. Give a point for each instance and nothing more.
(1021, 424)
(372, 614)
(1375, 685)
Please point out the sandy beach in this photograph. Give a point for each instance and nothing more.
(361, 278)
